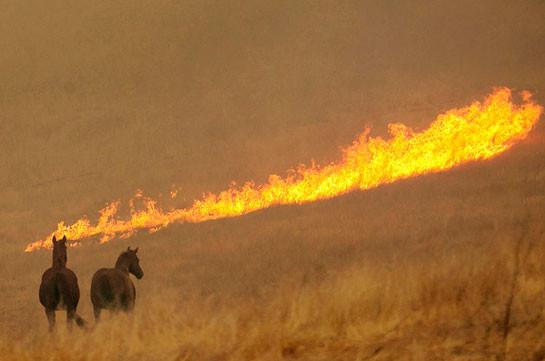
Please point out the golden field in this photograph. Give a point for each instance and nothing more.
(100, 99)
(428, 277)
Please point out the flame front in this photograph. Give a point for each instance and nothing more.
(478, 131)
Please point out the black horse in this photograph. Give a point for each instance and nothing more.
(59, 288)
(112, 288)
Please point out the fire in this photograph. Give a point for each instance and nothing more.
(478, 131)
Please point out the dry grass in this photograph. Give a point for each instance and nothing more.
(98, 99)
(415, 303)
(408, 271)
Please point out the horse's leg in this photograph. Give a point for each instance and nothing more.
(127, 306)
(97, 310)
(69, 318)
(50, 313)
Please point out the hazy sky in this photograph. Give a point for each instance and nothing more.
(100, 98)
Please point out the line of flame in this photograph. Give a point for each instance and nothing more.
(478, 131)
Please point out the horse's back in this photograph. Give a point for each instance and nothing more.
(111, 288)
(59, 287)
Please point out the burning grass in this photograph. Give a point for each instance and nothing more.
(417, 270)
(479, 131)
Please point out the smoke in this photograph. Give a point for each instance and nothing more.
(98, 99)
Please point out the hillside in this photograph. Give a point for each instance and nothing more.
(419, 269)
(101, 99)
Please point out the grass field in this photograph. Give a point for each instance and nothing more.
(423, 269)
(101, 98)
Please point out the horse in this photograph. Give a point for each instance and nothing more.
(112, 288)
(59, 288)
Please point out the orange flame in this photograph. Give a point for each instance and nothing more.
(478, 131)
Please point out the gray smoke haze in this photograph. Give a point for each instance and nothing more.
(100, 98)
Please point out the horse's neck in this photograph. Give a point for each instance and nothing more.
(58, 262)
(122, 265)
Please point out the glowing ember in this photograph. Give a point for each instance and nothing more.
(479, 131)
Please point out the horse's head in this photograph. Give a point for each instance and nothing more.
(59, 252)
(134, 262)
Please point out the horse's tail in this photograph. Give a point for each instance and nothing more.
(80, 321)
(67, 293)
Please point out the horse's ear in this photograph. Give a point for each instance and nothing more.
(135, 250)
(54, 239)
(128, 248)
(63, 239)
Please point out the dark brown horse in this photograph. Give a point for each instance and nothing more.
(112, 288)
(59, 288)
